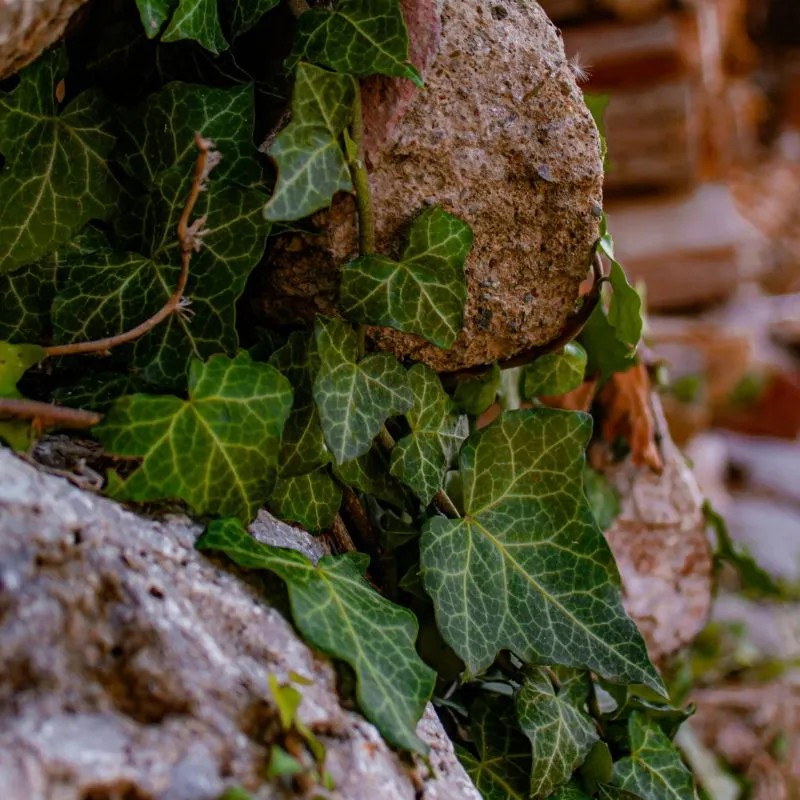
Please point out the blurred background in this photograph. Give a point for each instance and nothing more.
(702, 122)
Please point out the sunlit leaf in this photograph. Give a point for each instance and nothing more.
(15, 360)
(339, 613)
(555, 373)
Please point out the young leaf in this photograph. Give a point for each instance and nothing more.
(554, 374)
(287, 699)
(311, 500)
(282, 765)
(423, 293)
(654, 769)
(527, 569)
(218, 450)
(502, 768)
(422, 458)
(311, 164)
(198, 20)
(56, 176)
(109, 292)
(358, 37)
(561, 733)
(475, 395)
(339, 613)
(248, 12)
(355, 399)
(15, 360)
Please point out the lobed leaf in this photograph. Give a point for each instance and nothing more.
(56, 175)
(248, 12)
(424, 292)
(654, 769)
(338, 612)
(527, 569)
(357, 37)
(311, 499)
(561, 733)
(555, 374)
(422, 458)
(311, 163)
(355, 399)
(197, 20)
(218, 450)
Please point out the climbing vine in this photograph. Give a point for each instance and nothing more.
(133, 213)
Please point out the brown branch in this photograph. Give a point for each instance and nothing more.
(189, 237)
(45, 415)
(340, 536)
(359, 522)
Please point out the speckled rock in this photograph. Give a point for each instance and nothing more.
(134, 667)
(500, 136)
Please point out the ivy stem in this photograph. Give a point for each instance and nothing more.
(189, 240)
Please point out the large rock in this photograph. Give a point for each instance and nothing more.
(500, 136)
(133, 666)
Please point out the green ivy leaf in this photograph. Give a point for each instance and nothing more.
(555, 374)
(97, 391)
(422, 458)
(423, 293)
(625, 311)
(561, 733)
(602, 497)
(526, 569)
(311, 164)
(597, 767)
(56, 175)
(154, 13)
(197, 20)
(369, 473)
(311, 500)
(502, 768)
(358, 37)
(605, 353)
(109, 292)
(159, 134)
(476, 395)
(218, 450)
(303, 447)
(355, 399)
(654, 769)
(248, 12)
(605, 792)
(15, 360)
(597, 103)
(572, 791)
(338, 612)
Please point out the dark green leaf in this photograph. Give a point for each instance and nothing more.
(15, 360)
(606, 792)
(311, 164)
(527, 568)
(359, 37)
(654, 769)
(98, 391)
(602, 497)
(561, 733)
(154, 14)
(355, 399)
(370, 474)
(198, 20)
(422, 458)
(311, 500)
(572, 791)
(502, 768)
(625, 311)
(555, 374)
(475, 395)
(598, 767)
(218, 450)
(248, 12)
(56, 176)
(606, 354)
(424, 292)
(339, 613)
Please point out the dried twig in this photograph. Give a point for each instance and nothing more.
(189, 237)
(45, 415)
(341, 536)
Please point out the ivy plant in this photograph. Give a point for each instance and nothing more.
(130, 226)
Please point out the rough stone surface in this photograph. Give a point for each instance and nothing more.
(500, 136)
(27, 27)
(134, 667)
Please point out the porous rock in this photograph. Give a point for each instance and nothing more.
(135, 667)
(500, 136)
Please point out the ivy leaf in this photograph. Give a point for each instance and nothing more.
(625, 311)
(605, 353)
(422, 458)
(154, 13)
(606, 792)
(369, 473)
(527, 569)
(423, 293)
(554, 374)
(159, 135)
(311, 164)
(109, 292)
(597, 103)
(15, 360)
(502, 768)
(303, 447)
(476, 395)
(602, 497)
(654, 768)
(571, 791)
(248, 12)
(56, 175)
(561, 733)
(358, 37)
(311, 500)
(218, 450)
(339, 613)
(98, 391)
(197, 20)
(355, 399)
